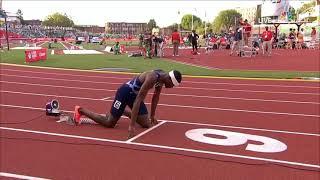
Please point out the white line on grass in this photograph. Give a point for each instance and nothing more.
(183, 122)
(64, 46)
(42, 43)
(165, 147)
(10, 175)
(75, 46)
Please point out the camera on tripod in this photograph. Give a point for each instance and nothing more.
(52, 108)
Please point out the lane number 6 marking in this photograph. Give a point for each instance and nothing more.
(265, 144)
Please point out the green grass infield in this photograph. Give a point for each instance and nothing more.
(139, 64)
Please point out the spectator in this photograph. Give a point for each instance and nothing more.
(300, 39)
(140, 41)
(147, 45)
(246, 31)
(50, 44)
(175, 38)
(194, 41)
(267, 42)
(313, 34)
(160, 41)
(291, 39)
(236, 40)
(116, 48)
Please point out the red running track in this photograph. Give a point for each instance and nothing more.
(287, 111)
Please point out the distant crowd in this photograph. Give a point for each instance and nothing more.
(36, 31)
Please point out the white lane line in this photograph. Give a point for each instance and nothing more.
(240, 110)
(182, 87)
(18, 176)
(66, 87)
(243, 99)
(59, 79)
(164, 147)
(166, 94)
(182, 122)
(51, 95)
(193, 82)
(145, 132)
(191, 107)
(230, 155)
(106, 98)
(254, 91)
(67, 74)
(245, 128)
(191, 64)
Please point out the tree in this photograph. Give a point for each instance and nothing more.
(20, 16)
(225, 20)
(209, 27)
(151, 24)
(201, 29)
(186, 22)
(307, 7)
(58, 19)
(173, 26)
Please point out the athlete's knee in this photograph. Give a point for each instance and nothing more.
(110, 121)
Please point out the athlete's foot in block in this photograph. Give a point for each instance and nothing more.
(70, 120)
(76, 115)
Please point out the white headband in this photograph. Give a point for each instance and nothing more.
(173, 79)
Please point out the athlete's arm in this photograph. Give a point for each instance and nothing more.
(154, 103)
(148, 84)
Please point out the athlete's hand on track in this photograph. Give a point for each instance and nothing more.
(131, 132)
(153, 120)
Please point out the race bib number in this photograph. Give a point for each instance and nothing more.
(117, 104)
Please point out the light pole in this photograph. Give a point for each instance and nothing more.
(192, 19)
(192, 22)
(178, 21)
(205, 23)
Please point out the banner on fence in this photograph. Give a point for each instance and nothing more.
(35, 55)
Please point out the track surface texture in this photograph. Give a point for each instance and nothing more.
(251, 129)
